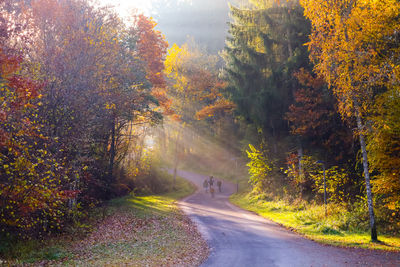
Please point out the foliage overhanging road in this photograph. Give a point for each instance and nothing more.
(240, 238)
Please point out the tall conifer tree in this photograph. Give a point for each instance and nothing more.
(263, 51)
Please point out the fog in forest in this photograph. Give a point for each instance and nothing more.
(204, 20)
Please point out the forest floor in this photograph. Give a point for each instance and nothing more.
(311, 222)
(136, 231)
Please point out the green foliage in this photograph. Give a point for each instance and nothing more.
(263, 51)
(155, 182)
(260, 168)
(337, 182)
(30, 251)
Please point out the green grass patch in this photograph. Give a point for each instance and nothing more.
(153, 204)
(32, 251)
(338, 228)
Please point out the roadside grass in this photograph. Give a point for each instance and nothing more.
(154, 204)
(131, 231)
(336, 229)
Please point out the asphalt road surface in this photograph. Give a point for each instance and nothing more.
(240, 238)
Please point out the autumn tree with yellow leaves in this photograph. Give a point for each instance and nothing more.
(194, 83)
(354, 46)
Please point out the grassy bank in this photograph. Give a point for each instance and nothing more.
(309, 220)
(133, 230)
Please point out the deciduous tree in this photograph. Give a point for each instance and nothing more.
(353, 44)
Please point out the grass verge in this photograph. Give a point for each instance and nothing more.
(136, 231)
(310, 221)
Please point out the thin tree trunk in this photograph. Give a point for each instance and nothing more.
(360, 126)
(112, 151)
(164, 140)
(176, 159)
(274, 143)
(300, 155)
(290, 49)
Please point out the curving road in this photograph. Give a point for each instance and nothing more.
(240, 238)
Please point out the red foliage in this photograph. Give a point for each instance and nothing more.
(314, 116)
(308, 115)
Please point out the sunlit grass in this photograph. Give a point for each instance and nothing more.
(310, 221)
(154, 204)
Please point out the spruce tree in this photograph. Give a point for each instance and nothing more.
(264, 49)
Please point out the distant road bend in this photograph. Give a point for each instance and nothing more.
(240, 238)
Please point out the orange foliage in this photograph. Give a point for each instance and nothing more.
(220, 106)
(152, 48)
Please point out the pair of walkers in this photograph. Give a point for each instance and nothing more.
(209, 183)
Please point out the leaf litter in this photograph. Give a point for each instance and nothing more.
(125, 238)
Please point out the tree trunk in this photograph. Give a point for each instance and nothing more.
(360, 126)
(163, 140)
(300, 155)
(112, 151)
(290, 49)
(176, 158)
(274, 143)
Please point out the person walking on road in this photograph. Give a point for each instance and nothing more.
(212, 191)
(211, 181)
(219, 184)
(205, 185)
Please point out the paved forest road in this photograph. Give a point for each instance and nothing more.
(240, 238)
